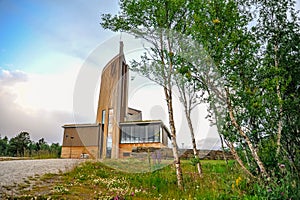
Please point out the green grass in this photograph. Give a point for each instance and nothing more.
(133, 165)
(95, 180)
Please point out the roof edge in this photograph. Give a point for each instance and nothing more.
(80, 125)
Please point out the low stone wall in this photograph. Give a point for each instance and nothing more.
(167, 153)
(207, 154)
(127, 149)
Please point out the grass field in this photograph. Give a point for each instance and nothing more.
(95, 180)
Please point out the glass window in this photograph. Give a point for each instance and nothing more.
(109, 133)
(156, 133)
(127, 134)
(103, 116)
(142, 133)
(150, 133)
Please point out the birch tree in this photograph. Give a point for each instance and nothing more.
(190, 97)
(255, 79)
(154, 21)
(277, 31)
(222, 29)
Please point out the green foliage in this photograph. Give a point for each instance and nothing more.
(142, 16)
(277, 32)
(250, 68)
(281, 185)
(195, 161)
(3, 146)
(260, 69)
(21, 145)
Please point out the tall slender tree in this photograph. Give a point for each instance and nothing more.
(190, 97)
(278, 32)
(19, 144)
(222, 30)
(255, 79)
(3, 146)
(155, 21)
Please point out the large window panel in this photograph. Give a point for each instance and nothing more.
(125, 134)
(150, 133)
(156, 133)
(141, 133)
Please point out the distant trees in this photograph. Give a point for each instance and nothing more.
(3, 146)
(21, 145)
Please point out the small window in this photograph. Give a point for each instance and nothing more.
(103, 116)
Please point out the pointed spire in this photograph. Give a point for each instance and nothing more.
(121, 48)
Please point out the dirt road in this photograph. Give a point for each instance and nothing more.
(16, 171)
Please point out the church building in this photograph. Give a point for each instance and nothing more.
(118, 128)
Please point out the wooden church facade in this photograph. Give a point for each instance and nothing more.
(118, 128)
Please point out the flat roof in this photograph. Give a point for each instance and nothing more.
(79, 125)
(142, 122)
(133, 109)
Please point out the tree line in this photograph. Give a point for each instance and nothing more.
(239, 56)
(22, 146)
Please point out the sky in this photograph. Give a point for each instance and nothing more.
(51, 56)
(43, 45)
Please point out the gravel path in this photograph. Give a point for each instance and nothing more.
(15, 171)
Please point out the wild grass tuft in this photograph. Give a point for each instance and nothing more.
(96, 180)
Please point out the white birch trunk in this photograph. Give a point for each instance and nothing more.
(196, 156)
(243, 134)
(168, 95)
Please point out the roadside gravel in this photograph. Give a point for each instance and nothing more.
(16, 171)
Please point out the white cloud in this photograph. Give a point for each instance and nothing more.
(10, 77)
(48, 92)
(39, 104)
